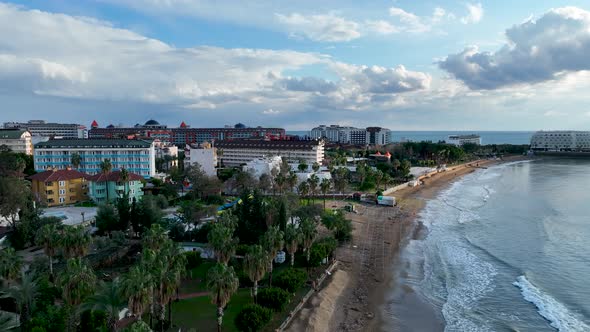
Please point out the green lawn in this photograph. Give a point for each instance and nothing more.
(200, 314)
(195, 279)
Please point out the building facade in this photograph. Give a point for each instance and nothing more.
(16, 140)
(352, 135)
(59, 187)
(464, 139)
(260, 166)
(50, 129)
(184, 134)
(137, 156)
(557, 141)
(240, 152)
(108, 187)
(203, 154)
(167, 153)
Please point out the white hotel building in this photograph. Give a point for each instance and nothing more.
(136, 156)
(561, 141)
(352, 135)
(240, 152)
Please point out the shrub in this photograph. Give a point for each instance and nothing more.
(321, 250)
(193, 259)
(214, 199)
(252, 318)
(290, 279)
(273, 298)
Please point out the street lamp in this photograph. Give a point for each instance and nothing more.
(82, 213)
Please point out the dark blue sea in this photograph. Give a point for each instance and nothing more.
(505, 249)
(487, 137)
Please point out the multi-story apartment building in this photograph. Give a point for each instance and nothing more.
(240, 152)
(184, 134)
(203, 154)
(59, 187)
(137, 156)
(16, 140)
(464, 139)
(561, 141)
(378, 136)
(352, 135)
(166, 154)
(112, 186)
(50, 129)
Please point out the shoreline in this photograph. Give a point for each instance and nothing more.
(371, 262)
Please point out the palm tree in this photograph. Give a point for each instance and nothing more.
(222, 283)
(313, 184)
(125, 179)
(106, 167)
(155, 238)
(315, 167)
(303, 189)
(74, 242)
(292, 241)
(272, 242)
(379, 175)
(302, 167)
(291, 180)
(325, 188)
(77, 282)
(76, 160)
(10, 264)
(24, 294)
(136, 286)
(8, 322)
(308, 234)
(48, 236)
(221, 240)
(255, 264)
(107, 299)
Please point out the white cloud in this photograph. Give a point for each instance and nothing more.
(324, 28)
(474, 15)
(381, 27)
(270, 111)
(536, 51)
(410, 22)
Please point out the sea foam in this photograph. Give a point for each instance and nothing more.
(552, 310)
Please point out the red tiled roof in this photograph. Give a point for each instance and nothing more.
(183, 125)
(58, 175)
(94, 124)
(113, 176)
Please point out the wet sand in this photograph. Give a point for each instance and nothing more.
(361, 300)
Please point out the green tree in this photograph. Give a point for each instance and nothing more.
(341, 178)
(308, 234)
(74, 242)
(77, 282)
(315, 167)
(8, 322)
(222, 283)
(303, 189)
(252, 318)
(325, 188)
(107, 299)
(106, 167)
(378, 176)
(405, 168)
(222, 242)
(76, 160)
(313, 184)
(302, 167)
(48, 237)
(255, 266)
(272, 242)
(125, 179)
(107, 219)
(291, 180)
(292, 241)
(11, 265)
(136, 287)
(24, 293)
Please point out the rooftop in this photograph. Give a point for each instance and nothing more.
(263, 144)
(11, 133)
(93, 143)
(114, 176)
(58, 175)
(463, 136)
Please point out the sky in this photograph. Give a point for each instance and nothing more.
(404, 65)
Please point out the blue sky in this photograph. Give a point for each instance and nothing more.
(406, 65)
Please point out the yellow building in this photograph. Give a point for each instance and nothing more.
(60, 187)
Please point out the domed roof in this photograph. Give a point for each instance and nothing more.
(240, 126)
(152, 123)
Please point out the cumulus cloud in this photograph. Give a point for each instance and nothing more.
(307, 84)
(381, 27)
(536, 51)
(324, 28)
(382, 80)
(410, 22)
(270, 111)
(474, 15)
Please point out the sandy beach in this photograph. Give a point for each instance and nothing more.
(353, 298)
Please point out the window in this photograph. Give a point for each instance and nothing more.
(62, 199)
(49, 184)
(62, 192)
(62, 183)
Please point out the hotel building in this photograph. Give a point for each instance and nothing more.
(352, 135)
(111, 186)
(59, 187)
(240, 152)
(464, 139)
(48, 129)
(557, 141)
(16, 140)
(137, 156)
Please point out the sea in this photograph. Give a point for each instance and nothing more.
(502, 249)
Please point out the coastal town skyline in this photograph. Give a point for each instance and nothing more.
(444, 65)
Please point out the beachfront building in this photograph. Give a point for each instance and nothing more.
(166, 154)
(42, 128)
(260, 166)
(59, 187)
(203, 154)
(561, 141)
(137, 156)
(16, 140)
(184, 134)
(240, 152)
(459, 140)
(113, 185)
(352, 135)
(378, 136)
